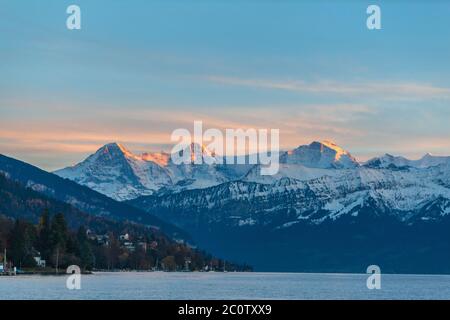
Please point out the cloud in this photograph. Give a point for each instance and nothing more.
(393, 90)
(69, 134)
(66, 136)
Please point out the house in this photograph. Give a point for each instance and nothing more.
(102, 240)
(124, 237)
(179, 241)
(40, 263)
(129, 246)
(90, 235)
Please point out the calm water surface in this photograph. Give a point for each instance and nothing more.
(161, 285)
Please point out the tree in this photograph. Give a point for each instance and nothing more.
(169, 264)
(139, 260)
(44, 241)
(6, 226)
(21, 244)
(84, 250)
(58, 233)
(58, 237)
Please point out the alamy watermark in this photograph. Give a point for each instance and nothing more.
(73, 21)
(235, 146)
(374, 280)
(373, 21)
(73, 282)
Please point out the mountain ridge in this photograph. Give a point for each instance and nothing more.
(307, 217)
(120, 174)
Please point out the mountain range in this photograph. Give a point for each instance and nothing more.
(323, 210)
(338, 181)
(118, 173)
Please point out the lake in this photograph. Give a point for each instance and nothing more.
(215, 285)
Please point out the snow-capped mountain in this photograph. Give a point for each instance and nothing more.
(307, 162)
(118, 173)
(324, 155)
(401, 194)
(391, 161)
(321, 205)
(352, 217)
(316, 183)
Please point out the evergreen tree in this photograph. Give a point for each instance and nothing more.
(21, 241)
(84, 250)
(44, 243)
(58, 232)
(58, 238)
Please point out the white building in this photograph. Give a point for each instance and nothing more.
(124, 237)
(40, 262)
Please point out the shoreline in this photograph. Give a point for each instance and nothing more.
(93, 272)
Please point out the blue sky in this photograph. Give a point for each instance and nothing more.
(140, 69)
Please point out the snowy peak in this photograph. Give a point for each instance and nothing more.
(118, 173)
(387, 161)
(331, 145)
(430, 160)
(110, 148)
(112, 151)
(325, 155)
(118, 150)
(110, 154)
(390, 161)
(113, 148)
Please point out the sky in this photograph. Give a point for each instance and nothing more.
(137, 70)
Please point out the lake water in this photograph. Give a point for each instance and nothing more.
(161, 285)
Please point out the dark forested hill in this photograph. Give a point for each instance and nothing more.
(80, 197)
(92, 239)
